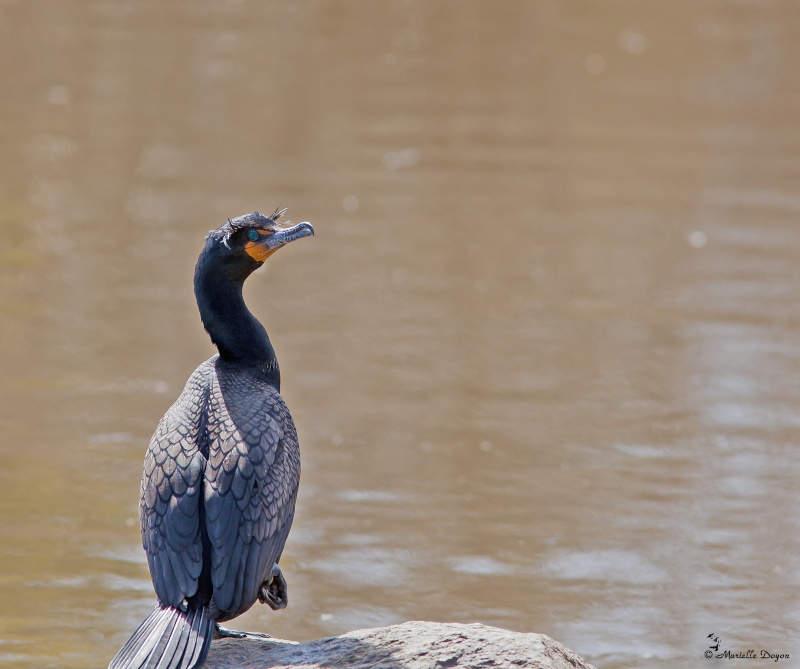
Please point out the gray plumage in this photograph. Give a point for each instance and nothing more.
(230, 435)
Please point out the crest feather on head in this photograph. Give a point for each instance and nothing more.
(253, 220)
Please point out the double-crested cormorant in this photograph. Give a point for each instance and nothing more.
(222, 469)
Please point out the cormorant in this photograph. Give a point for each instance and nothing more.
(222, 469)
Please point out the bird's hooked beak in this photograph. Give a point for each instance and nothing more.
(270, 241)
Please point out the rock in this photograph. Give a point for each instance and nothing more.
(412, 645)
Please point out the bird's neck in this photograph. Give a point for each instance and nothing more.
(238, 335)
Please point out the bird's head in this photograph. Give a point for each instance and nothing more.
(241, 245)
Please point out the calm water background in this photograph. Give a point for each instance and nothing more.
(543, 353)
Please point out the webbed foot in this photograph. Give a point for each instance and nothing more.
(221, 632)
(273, 591)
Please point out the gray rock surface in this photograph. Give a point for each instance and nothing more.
(412, 645)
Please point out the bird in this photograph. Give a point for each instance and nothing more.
(222, 469)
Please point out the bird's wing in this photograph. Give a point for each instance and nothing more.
(251, 486)
(170, 496)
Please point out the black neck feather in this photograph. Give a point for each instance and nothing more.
(238, 335)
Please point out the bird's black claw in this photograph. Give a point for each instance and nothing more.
(274, 591)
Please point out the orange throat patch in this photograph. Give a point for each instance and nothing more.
(258, 251)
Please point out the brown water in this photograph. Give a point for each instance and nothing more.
(543, 352)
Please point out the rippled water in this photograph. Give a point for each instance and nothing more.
(542, 353)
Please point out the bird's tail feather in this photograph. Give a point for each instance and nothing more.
(168, 639)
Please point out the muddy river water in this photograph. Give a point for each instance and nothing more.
(543, 352)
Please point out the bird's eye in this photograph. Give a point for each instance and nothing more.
(252, 235)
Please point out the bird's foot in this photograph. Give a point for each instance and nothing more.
(221, 632)
(274, 591)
